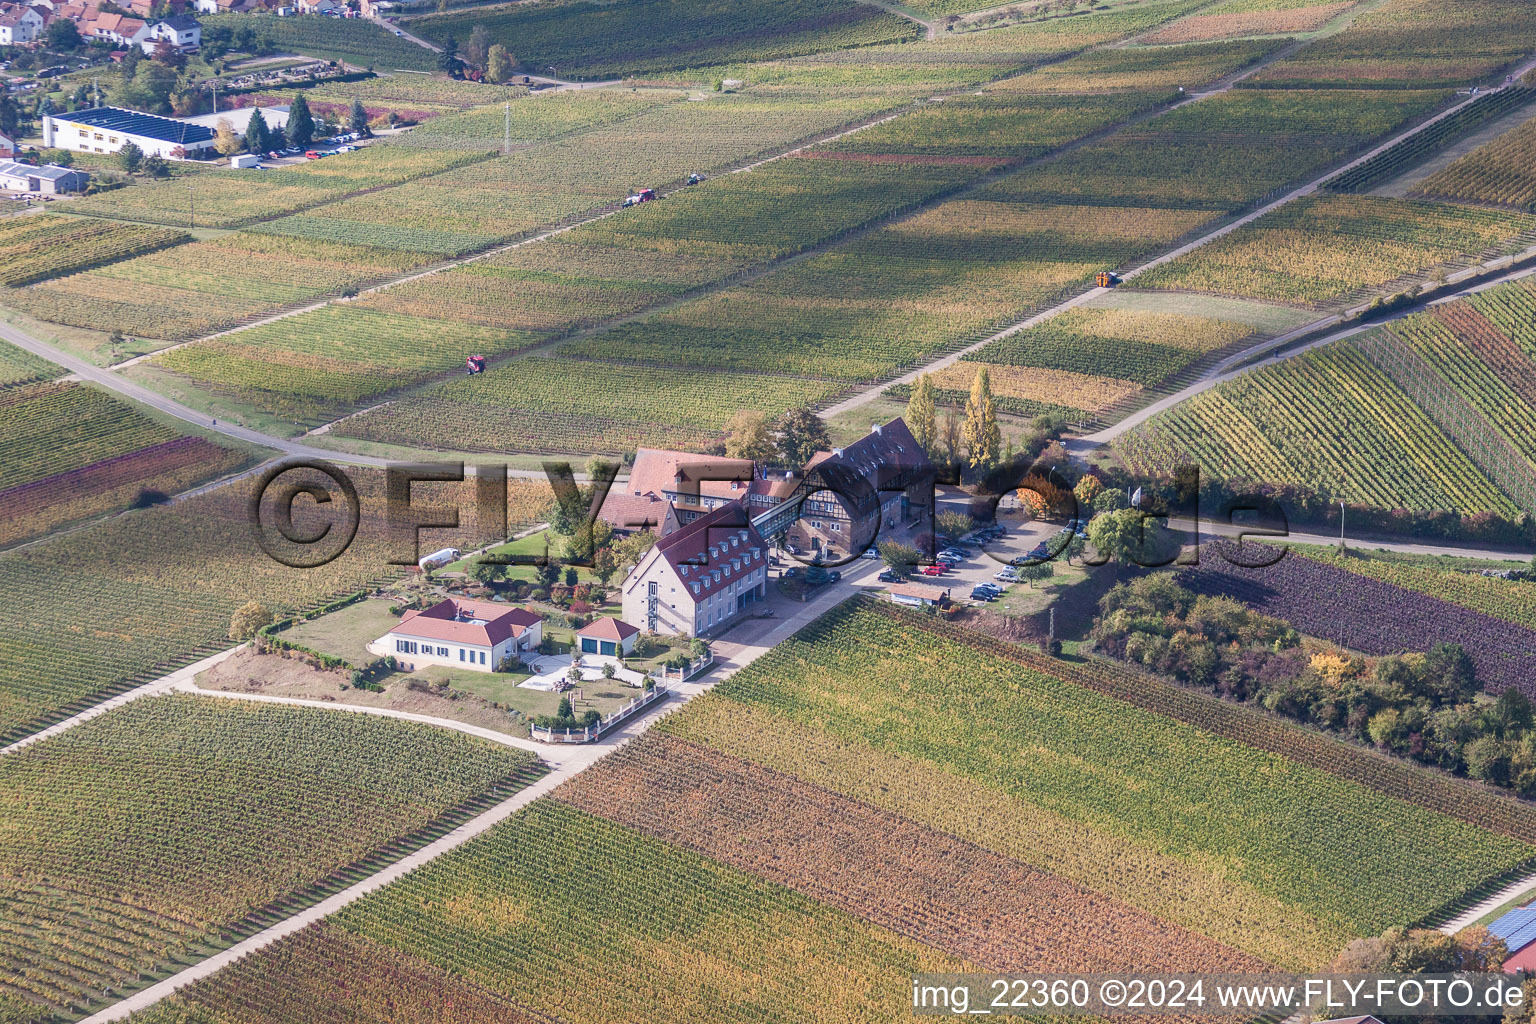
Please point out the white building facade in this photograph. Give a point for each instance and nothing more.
(701, 578)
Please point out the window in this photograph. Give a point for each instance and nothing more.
(482, 657)
(442, 652)
(461, 654)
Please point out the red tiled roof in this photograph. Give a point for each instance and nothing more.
(656, 471)
(479, 623)
(608, 629)
(925, 591)
(690, 546)
(633, 512)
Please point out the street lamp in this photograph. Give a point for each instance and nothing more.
(191, 206)
(1341, 524)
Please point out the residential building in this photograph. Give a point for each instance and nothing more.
(182, 30)
(607, 637)
(881, 482)
(19, 25)
(7, 147)
(222, 6)
(697, 484)
(459, 633)
(628, 513)
(701, 578)
(109, 129)
(50, 179)
(115, 28)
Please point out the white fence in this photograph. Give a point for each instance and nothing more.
(589, 733)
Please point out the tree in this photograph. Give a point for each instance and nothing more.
(564, 710)
(248, 618)
(301, 125)
(477, 47)
(605, 563)
(572, 577)
(258, 139)
(746, 436)
(169, 54)
(10, 117)
(983, 437)
(949, 438)
(1086, 490)
(900, 558)
(500, 66)
(631, 549)
(63, 36)
(225, 139)
(952, 524)
(130, 59)
(357, 118)
(1129, 536)
(548, 573)
(485, 570)
(801, 435)
(1032, 574)
(448, 59)
(130, 157)
(156, 167)
(922, 417)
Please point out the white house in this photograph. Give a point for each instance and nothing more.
(20, 25)
(459, 633)
(109, 129)
(184, 32)
(918, 595)
(7, 147)
(50, 178)
(700, 578)
(608, 637)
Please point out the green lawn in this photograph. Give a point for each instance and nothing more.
(540, 543)
(347, 631)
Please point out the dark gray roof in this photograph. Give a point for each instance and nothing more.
(181, 22)
(52, 172)
(150, 126)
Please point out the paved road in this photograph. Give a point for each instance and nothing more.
(1483, 908)
(741, 646)
(873, 393)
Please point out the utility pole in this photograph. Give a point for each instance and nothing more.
(191, 206)
(1341, 524)
(506, 141)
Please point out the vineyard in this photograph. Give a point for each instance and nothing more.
(965, 900)
(1412, 44)
(1138, 68)
(163, 583)
(73, 451)
(1279, 825)
(357, 42)
(1372, 615)
(1318, 250)
(1141, 347)
(585, 39)
(1497, 172)
(573, 406)
(1027, 391)
(1328, 419)
(18, 366)
(1413, 151)
(147, 833)
(1511, 600)
(205, 286)
(1223, 23)
(225, 198)
(37, 248)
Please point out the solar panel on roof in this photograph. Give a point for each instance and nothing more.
(1517, 928)
(150, 126)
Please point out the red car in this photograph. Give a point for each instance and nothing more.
(934, 570)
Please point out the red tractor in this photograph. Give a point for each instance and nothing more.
(475, 364)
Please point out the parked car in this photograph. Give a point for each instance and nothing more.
(888, 577)
(1008, 575)
(982, 595)
(790, 573)
(934, 570)
(871, 553)
(992, 588)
